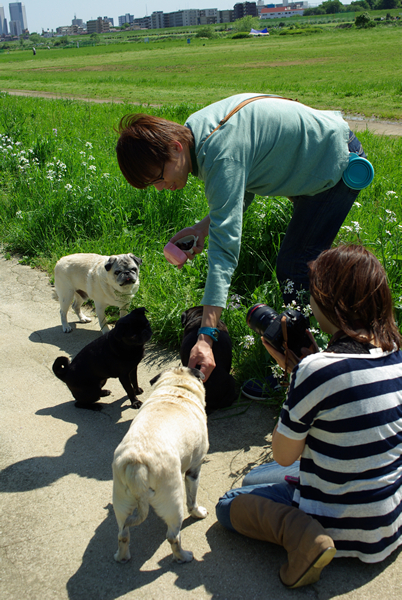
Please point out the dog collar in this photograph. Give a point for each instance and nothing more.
(213, 332)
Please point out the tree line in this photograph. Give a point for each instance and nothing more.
(335, 6)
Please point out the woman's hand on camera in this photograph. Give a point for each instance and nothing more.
(293, 359)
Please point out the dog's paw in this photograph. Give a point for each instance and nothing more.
(122, 559)
(67, 328)
(198, 512)
(136, 404)
(139, 391)
(105, 393)
(84, 319)
(185, 556)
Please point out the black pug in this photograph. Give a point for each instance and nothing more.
(220, 388)
(116, 354)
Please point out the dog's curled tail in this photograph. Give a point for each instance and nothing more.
(137, 476)
(60, 367)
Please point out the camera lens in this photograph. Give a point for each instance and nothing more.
(259, 317)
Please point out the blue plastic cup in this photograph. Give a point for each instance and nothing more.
(359, 173)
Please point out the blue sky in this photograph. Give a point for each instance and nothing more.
(49, 14)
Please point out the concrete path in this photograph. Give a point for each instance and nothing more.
(58, 531)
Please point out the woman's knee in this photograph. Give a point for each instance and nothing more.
(222, 510)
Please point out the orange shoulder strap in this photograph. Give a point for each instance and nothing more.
(239, 106)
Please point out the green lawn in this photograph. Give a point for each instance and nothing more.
(357, 71)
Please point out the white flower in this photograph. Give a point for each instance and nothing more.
(235, 302)
(88, 144)
(247, 341)
(82, 152)
(106, 175)
(289, 287)
(68, 187)
(357, 227)
(90, 157)
(277, 371)
(390, 193)
(92, 168)
(19, 215)
(357, 204)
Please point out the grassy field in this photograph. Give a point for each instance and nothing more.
(357, 71)
(61, 192)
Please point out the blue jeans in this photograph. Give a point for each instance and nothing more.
(266, 480)
(315, 223)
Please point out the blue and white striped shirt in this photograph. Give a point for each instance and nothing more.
(348, 407)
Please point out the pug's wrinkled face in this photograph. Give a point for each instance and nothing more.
(125, 268)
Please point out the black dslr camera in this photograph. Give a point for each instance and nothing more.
(266, 322)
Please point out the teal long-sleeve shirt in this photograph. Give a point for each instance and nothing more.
(270, 147)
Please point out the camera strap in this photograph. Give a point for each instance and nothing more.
(239, 106)
(285, 379)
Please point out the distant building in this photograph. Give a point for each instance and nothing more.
(143, 23)
(3, 22)
(15, 28)
(127, 18)
(244, 9)
(18, 15)
(110, 19)
(225, 16)
(280, 12)
(98, 25)
(157, 21)
(77, 22)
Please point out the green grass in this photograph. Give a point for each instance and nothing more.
(53, 202)
(355, 71)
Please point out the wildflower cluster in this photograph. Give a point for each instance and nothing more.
(55, 170)
(235, 302)
(247, 341)
(13, 156)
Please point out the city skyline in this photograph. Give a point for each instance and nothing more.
(49, 14)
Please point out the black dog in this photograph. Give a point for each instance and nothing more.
(220, 388)
(115, 354)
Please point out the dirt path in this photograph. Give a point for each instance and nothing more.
(356, 123)
(58, 529)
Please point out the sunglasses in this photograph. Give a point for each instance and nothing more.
(158, 179)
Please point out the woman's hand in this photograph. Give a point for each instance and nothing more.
(202, 357)
(199, 230)
(293, 360)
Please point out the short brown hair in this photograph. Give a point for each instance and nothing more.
(145, 144)
(350, 287)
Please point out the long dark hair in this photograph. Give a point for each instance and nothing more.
(144, 146)
(350, 287)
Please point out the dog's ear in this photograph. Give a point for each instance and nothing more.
(155, 379)
(136, 259)
(110, 262)
(197, 373)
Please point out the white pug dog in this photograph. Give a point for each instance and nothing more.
(107, 280)
(167, 438)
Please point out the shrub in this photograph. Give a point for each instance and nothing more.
(240, 35)
(206, 32)
(362, 20)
